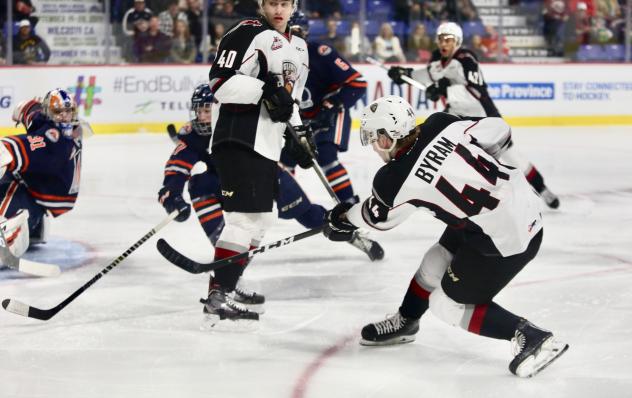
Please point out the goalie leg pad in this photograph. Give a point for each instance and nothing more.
(16, 232)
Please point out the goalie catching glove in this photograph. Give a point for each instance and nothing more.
(303, 151)
(337, 227)
(172, 202)
(278, 102)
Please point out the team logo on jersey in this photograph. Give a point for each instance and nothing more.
(277, 43)
(52, 135)
(290, 72)
(228, 194)
(324, 50)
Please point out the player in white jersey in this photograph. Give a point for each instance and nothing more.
(453, 76)
(257, 78)
(449, 167)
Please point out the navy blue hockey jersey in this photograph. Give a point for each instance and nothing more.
(47, 163)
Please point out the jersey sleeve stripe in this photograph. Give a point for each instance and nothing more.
(8, 197)
(181, 163)
(25, 156)
(9, 146)
(57, 198)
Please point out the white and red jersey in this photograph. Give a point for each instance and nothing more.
(452, 171)
(247, 53)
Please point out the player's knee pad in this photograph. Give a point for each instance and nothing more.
(446, 309)
(16, 232)
(433, 266)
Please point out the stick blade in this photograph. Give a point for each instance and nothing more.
(38, 269)
(176, 258)
(19, 308)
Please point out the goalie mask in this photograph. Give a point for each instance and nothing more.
(200, 112)
(60, 107)
(391, 116)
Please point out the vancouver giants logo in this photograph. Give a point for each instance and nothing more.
(290, 75)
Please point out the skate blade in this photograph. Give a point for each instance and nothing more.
(258, 308)
(393, 341)
(549, 352)
(212, 323)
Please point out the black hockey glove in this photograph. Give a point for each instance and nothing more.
(301, 152)
(173, 202)
(396, 73)
(337, 227)
(278, 102)
(440, 89)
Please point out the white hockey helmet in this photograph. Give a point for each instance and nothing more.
(295, 3)
(451, 29)
(390, 115)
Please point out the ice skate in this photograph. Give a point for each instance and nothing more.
(222, 312)
(395, 329)
(252, 300)
(550, 198)
(534, 349)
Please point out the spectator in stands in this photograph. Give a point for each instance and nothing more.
(579, 28)
(247, 8)
(490, 43)
(387, 46)
(555, 16)
(420, 45)
(183, 50)
(152, 46)
(356, 46)
(29, 48)
(228, 11)
(431, 10)
(3, 53)
(217, 35)
(331, 38)
(134, 16)
(480, 49)
(325, 9)
(169, 16)
(465, 11)
(23, 9)
(195, 14)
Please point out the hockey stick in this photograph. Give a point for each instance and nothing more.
(405, 78)
(371, 248)
(19, 264)
(18, 307)
(194, 267)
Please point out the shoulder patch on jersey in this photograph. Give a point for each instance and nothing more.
(277, 43)
(324, 50)
(52, 135)
(251, 22)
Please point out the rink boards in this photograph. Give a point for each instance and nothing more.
(124, 98)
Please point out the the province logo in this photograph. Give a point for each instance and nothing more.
(277, 43)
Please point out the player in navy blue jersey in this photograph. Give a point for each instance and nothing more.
(40, 169)
(333, 86)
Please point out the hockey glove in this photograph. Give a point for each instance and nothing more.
(173, 202)
(396, 73)
(326, 117)
(337, 227)
(303, 151)
(278, 102)
(440, 89)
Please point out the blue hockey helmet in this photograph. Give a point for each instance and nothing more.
(200, 112)
(299, 24)
(60, 107)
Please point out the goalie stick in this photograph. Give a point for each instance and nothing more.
(22, 265)
(20, 308)
(194, 267)
(371, 248)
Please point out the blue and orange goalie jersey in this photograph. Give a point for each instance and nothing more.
(47, 163)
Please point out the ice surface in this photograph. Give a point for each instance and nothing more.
(136, 333)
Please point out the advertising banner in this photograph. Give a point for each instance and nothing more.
(119, 99)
